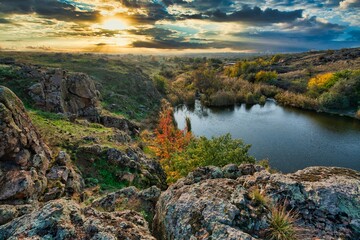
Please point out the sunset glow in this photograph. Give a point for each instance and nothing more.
(179, 25)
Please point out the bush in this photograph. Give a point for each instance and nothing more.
(160, 83)
(222, 98)
(266, 77)
(321, 83)
(332, 100)
(218, 151)
(297, 100)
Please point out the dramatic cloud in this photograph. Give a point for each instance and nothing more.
(48, 8)
(255, 15)
(127, 25)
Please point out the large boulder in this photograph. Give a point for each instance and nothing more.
(74, 94)
(24, 157)
(62, 219)
(214, 203)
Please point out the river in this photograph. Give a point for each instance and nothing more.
(290, 138)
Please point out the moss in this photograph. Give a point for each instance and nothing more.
(317, 174)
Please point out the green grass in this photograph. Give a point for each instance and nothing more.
(282, 224)
(59, 132)
(108, 175)
(124, 82)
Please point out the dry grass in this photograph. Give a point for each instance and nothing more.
(282, 224)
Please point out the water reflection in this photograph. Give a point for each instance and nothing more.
(291, 138)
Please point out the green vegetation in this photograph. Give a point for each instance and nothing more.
(282, 224)
(218, 151)
(108, 175)
(266, 77)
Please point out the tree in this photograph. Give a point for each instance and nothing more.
(169, 140)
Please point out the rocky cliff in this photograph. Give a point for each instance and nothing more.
(24, 157)
(214, 203)
(59, 91)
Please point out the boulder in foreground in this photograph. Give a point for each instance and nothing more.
(214, 203)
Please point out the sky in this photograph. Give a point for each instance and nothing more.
(173, 26)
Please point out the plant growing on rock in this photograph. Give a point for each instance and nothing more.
(282, 224)
(259, 197)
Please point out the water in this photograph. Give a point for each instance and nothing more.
(291, 139)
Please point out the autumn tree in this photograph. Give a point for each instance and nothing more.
(169, 139)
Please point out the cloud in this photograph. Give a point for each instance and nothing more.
(255, 15)
(48, 8)
(4, 21)
(347, 4)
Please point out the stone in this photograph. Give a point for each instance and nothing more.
(63, 219)
(73, 94)
(24, 157)
(205, 205)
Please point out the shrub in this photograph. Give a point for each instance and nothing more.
(266, 77)
(282, 224)
(297, 100)
(334, 101)
(218, 151)
(160, 83)
(321, 82)
(222, 98)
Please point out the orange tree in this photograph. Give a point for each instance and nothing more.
(169, 140)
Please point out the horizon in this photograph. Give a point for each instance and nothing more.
(170, 27)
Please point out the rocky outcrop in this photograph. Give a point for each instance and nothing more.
(62, 219)
(130, 198)
(58, 91)
(214, 203)
(133, 167)
(24, 157)
(64, 179)
(120, 123)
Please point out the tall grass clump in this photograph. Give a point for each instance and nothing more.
(282, 224)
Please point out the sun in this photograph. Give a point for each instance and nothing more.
(114, 24)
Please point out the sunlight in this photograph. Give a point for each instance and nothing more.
(114, 24)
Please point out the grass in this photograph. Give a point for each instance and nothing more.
(108, 175)
(259, 197)
(282, 224)
(124, 82)
(59, 132)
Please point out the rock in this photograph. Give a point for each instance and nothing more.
(216, 204)
(62, 219)
(130, 198)
(133, 167)
(146, 172)
(74, 94)
(24, 157)
(120, 123)
(9, 212)
(64, 179)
